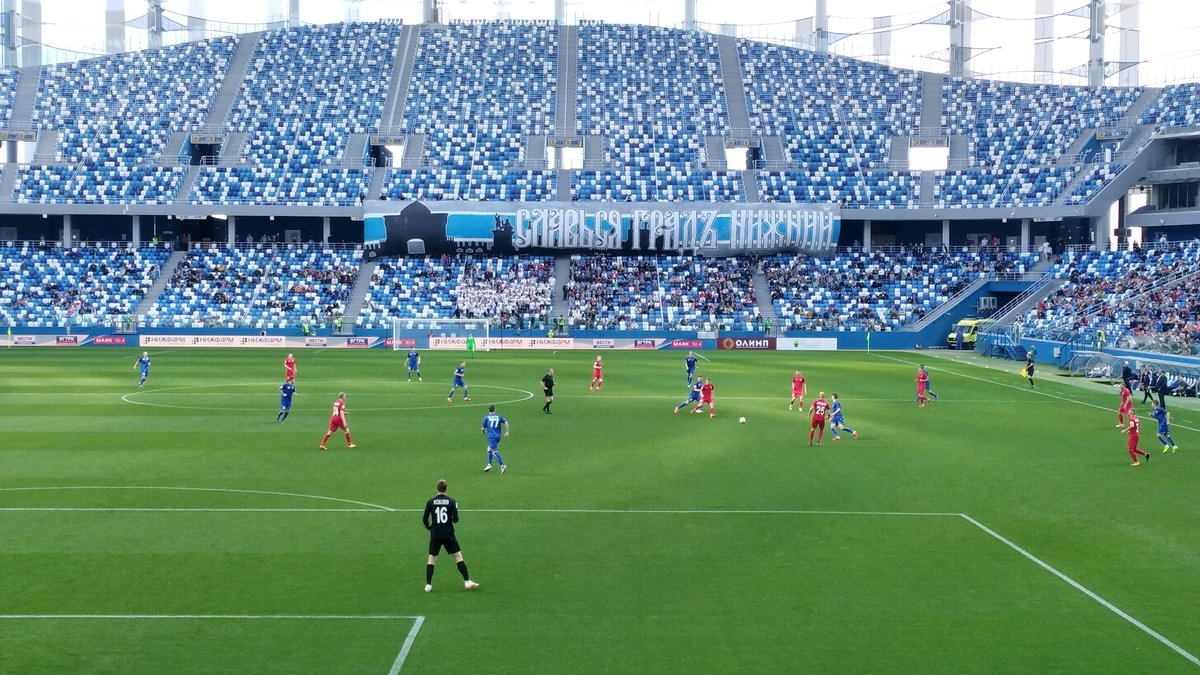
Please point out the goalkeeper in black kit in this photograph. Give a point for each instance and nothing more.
(441, 513)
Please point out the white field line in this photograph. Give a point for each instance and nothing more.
(408, 643)
(184, 509)
(1082, 589)
(396, 665)
(419, 620)
(1039, 392)
(277, 617)
(367, 505)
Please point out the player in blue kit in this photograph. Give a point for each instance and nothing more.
(838, 420)
(693, 394)
(691, 366)
(143, 364)
(459, 382)
(285, 399)
(1164, 430)
(493, 426)
(414, 364)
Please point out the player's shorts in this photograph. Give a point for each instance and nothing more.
(706, 400)
(458, 382)
(693, 397)
(550, 392)
(493, 442)
(921, 388)
(597, 375)
(145, 371)
(818, 422)
(1133, 441)
(290, 372)
(1125, 408)
(285, 403)
(1163, 429)
(412, 366)
(797, 393)
(836, 420)
(334, 425)
(449, 542)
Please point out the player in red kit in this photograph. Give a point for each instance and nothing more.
(819, 409)
(597, 375)
(922, 386)
(1126, 410)
(706, 398)
(798, 391)
(1135, 433)
(338, 421)
(289, 368)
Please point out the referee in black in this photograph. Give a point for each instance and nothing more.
(548, 387)
(441, 513)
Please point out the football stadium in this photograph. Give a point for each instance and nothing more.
(271, 271)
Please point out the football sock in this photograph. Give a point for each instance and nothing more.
(462, 569)
(932, 394)
(499, 459)
(324, 439)
(546, 407)
(834, 431)
(429, 574)
(846, 428)
(348, 441)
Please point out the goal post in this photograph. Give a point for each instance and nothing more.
(446, 333)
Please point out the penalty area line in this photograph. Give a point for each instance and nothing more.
(1083, 589)
(407, 646)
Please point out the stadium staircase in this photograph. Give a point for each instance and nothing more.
(355, 152)
(414, 151)
(231, 151)
(766, 308)
(1068, 156)
(928, 185)
(24, 98)
(174, 147)
(7, 181)
(189, 179)
(735, 87)
(931, 100)
(354, 304)
(156, 289)
(563, 189)
(235, 75)
(378, 175)
(1132, 120)
(562, 274)
(402, 66)
(568, 81)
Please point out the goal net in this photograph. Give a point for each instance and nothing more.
(439, 333)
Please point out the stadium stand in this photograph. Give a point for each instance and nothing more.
(306, 91)
(1118, 291)
(477, 91)
(652, 120)
(50, 286)
(258, 286)
(1176, 106)
(835, 129)
(115, 114)
(513, 290)
(9, 77)
(1016, 132)
(661, 293)
(877, 291)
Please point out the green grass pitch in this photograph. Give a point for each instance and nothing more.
(180, 528)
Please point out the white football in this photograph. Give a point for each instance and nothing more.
(741, 420)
